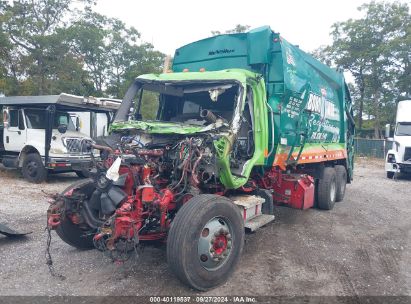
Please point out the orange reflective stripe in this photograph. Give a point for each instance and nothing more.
(311, 157)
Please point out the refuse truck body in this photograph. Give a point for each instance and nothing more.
(308, 104)
(242, 124)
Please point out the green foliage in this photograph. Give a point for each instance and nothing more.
(239, 28)
(54, 46)
(149, 105)
(376, 50)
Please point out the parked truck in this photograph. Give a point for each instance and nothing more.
(243, 123)
(38, 134)
(398, 159)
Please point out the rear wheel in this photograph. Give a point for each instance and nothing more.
(327, 189)
(390, 174)
(341, 182)
(33, 169)
(71, 233)
(205, 241)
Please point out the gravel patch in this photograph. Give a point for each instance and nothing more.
(361, 247)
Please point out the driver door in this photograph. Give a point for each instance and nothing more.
(15, 132)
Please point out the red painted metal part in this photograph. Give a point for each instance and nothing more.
(294, 190)
(53, 220)
(147, 194)
(141, 203)
(129, 184)
(147, 152)
(54, 213)
(129, 217)
(164, 204)
(220, 244)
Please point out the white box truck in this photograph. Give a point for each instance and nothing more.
(398, 159)
(39, 135)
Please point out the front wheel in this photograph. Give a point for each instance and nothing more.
(71, 233)
(84, 173)
(205, 241)
(33, 169)
(390, 174)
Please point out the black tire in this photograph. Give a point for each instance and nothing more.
(268, 205)
(70, 233)
(316, 193)
(33, 168)
(341, 182)
(327, 189)
(83, 173)
(184, 238)
(390, 174)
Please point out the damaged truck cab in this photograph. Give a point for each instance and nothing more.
(243, 123)
(221, 103)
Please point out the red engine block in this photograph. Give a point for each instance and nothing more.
(141, 204)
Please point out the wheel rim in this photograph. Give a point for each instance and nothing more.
(215, 243)
(332, 190)
(32, 168)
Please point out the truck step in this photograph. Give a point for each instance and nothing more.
(247, 201)
(258, 221)
(250, 205)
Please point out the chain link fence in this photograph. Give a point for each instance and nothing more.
(371, 147)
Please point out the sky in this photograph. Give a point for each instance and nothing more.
(171, 24)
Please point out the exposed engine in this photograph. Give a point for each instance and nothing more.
(138, 188)
(144, 177)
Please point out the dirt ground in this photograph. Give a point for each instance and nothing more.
(361, 247)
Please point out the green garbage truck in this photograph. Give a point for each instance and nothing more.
(242, 123)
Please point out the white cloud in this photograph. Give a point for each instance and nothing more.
(171, 24)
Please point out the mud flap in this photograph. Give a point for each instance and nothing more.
(10, 232)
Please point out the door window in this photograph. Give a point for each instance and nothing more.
(14, 118)
(36, 119)
(21, 120)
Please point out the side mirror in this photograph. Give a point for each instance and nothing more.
(62, 128)
(77, 123)
(130, 114)
(387, 130)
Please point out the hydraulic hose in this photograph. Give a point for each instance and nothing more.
(90, 219)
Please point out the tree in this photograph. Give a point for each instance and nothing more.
(375, 49)
(88, 43)
(237, 29)
(111, 53)
(146, 60)
(32, 26)
(54, 46)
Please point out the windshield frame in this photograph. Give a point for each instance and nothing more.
(403, 123)
(142, 84)
(70, 125)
